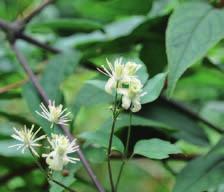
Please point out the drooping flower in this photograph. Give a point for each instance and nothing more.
(27, 139)
(54, 114)
(131, 96)
(58, 157)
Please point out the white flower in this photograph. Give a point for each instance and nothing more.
(27, 139)
(54, 114)
(122, 77)
(61, 146)
(118, 73)
(115, 74)
(131, 96)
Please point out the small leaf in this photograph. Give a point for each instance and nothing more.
(193, 29)
(101, 138)
(153, 88)
(155, 148)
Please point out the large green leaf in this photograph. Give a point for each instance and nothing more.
(202, 173)
(153, 88)
(192, 30)
(101, 139)
(155, 148)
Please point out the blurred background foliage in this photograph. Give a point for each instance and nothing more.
(88, 31)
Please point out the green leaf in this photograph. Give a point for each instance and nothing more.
(11, 152)
(162, 7)
(155, 148)
(153, 88)
(202, 173)
(6, 129)
(92, 93)
(62, 24)
(101, 138)
(111, 10)
(192, 30)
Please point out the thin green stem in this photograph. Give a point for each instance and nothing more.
(128, 135)
(39, 164)
(115, 115)
(125, 156)
(120, 173)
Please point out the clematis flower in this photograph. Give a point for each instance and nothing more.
(123, 78)
(131, 96)
(27, 139)
(54, 114)
(58, 157)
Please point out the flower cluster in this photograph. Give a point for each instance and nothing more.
(60, 145)
(124, 81)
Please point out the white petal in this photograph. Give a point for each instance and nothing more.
(126, 102)
(136, 106)
(110, 85)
